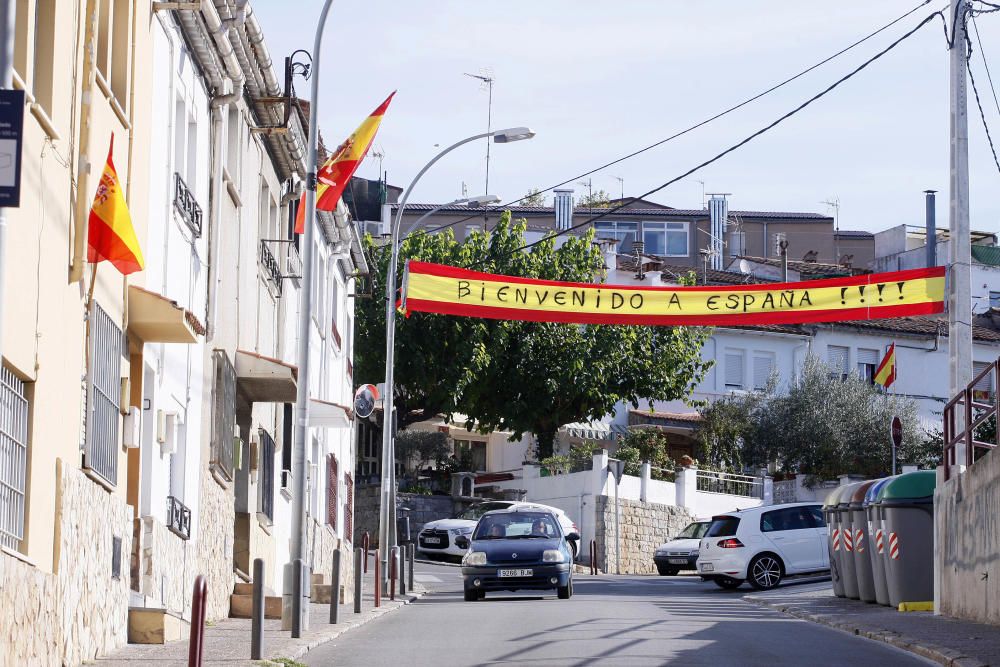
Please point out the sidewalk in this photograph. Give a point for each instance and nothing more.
(227, 642)
(945, 640)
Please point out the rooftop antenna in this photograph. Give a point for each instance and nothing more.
(589, 184)
(486, 77)
(703, 204)
(834, 203)
(379, 155)
(621, 182)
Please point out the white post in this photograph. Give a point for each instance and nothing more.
(767, 497)
(686, 486)
(618, 534)
(645, 474)
(600, 471)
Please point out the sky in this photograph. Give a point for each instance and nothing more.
(598, 80)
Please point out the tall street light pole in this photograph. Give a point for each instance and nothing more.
(295, 570)
(387, 502)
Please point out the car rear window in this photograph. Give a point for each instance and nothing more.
(723, 526)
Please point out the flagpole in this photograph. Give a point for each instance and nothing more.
(295, 569)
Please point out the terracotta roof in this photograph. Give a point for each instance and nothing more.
(983, 327)
(647, 212)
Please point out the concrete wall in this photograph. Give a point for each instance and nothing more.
(967, 517)
(644, 526)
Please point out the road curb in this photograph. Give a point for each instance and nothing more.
(939, 654)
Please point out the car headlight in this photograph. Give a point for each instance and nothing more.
(474, 558)
(661, 552)
(460, 531)
(553, 556)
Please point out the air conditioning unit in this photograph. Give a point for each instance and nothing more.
(132, 428)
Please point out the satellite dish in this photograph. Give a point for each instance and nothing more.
(744, 267)
(364, 400)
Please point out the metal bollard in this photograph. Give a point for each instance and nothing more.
(357, 580)
(378, 580)
(393, 571)
(402, 569)
(410, 550)
(199, 600)
(335, 587)
(257, 611)
(366, 544)
(593, 557)
(296, 601)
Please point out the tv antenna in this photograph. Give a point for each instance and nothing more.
(485, 76)
(834, 203)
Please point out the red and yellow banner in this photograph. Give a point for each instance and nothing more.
(885, 374)
(436, 288)
(110, 235)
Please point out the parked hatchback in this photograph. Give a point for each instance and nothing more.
(762, 545)
(681, 552)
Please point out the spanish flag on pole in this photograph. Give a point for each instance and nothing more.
(336, 172)
(885, 374)
(110, 235)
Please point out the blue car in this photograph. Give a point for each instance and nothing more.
(517, 549)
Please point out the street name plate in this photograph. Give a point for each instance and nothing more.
(11, 126)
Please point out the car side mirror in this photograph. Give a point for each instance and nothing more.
(573, 537)
(462, 542)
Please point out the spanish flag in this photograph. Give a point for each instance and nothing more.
(885, 374)
(336, 172)
(110, 235)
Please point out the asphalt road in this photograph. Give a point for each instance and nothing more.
(609, 620)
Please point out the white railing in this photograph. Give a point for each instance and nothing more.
(731, 484)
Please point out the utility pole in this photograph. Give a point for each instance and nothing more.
(487, 79)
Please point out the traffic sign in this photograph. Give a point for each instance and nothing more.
(896, 431)
(617, 469)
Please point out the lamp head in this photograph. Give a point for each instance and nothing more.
(512, 134)
(483, 200)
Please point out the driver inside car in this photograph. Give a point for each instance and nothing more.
(538, 528)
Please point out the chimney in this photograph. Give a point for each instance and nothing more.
(931, 228)
(563, 203)
(718, 211)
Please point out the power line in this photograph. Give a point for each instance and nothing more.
(748, 139)
(982, 54)
(707, 120)
(972, 80)
(989, 138)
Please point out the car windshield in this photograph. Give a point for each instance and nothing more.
(516, 525)
(723, 526)
(473, 513)
(694, 531)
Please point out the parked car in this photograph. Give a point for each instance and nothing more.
(438, 537)
(515, 549)
(762, 545)
(681, 552)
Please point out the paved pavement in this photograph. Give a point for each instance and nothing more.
(609, 621)
(947, 641)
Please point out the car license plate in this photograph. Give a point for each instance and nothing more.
(514, 573)
(707, 567)
(432, 540)
(678, 561)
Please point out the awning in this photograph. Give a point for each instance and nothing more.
(264, 379)
(324, 414)
(156, 319)
(592, 430)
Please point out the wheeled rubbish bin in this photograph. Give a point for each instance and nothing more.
(862, 542)
(849, 568)
(832, 516)
(908, 510)
(876, 546)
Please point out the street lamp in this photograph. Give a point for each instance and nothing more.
(387, 502)
(477, 201)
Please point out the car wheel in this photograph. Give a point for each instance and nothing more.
(666, 571)
(765, 572)
(728, 583)
(471, 595)
(565, 592)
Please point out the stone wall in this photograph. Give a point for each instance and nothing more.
(167, 567)
(214, 542)
(644, 526)
(30, 622)
(93, 604)
(366, 500)
(322, 542)
(967, 513)
(423, 508)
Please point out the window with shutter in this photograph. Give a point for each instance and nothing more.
(836, 357)
(265, 477)
(348, 507)
(734, 369)
(332, 478)
(763, 366)
(983, 388)
(868, 361)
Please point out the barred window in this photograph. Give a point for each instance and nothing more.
(104, 395)
(223, 414)
(13, 457)
(348, 507)
(332, 479)
(265, 479)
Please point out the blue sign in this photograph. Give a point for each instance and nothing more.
(11, 127)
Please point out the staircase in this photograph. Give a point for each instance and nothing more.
(241, 602)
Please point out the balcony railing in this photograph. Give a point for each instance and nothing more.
(270, 265)
(178, 518)
(730, 484)
(187, 205)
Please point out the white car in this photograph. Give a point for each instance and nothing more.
(438, 537)
(681, 552)
(762, 545)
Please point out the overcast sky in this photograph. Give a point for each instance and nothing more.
(597, 80)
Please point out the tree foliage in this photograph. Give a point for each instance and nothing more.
(646, 444)
(419, 448)
(533, 198)
(824, 426)
(598, 199)
(520, 376)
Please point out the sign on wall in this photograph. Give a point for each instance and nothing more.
(436, 288)
(11, 127)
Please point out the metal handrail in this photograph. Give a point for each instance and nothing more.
(270, 265)
(187, 205)
(966, 401)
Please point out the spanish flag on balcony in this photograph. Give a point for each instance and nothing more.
(336, 172)
(885, 374)
(110, 235)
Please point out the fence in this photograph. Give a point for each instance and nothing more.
(966, 412)
(709, 481)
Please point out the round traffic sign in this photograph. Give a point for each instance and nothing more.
(896, 431)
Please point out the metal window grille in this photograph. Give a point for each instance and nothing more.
(101, 448)
(265, 482)
(178, 518)
(224, 414)
(348, 507)
(13, 457)
(332, 479)
(272, 269)
(187, 205)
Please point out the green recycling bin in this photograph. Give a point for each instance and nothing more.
(876, 547)
(848, 567)
(832, 516)
(908, 517)
(862, 542)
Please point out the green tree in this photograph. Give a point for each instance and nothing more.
(521, 376)
(651, 445)
(598, 199)
(533, 198)
(419, 448)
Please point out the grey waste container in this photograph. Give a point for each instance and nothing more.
(908, 510)
(848, 568)
(876, 547)
(832, 516)
(862, 543)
